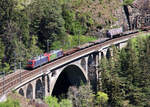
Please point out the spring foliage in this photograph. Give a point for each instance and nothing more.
(126, 75)
(53, 102)
(10, 103)
(27, 26)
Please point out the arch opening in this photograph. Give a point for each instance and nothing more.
(39, 90)
(108, 54)
(70, 76)
(102, 55)
(29, 93)
(21, 92)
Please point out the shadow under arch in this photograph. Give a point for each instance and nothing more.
(39, 90)
(21, 92)
(72, 75)
(108, 54)
(102, 55)
(29, 93)
(90, 60)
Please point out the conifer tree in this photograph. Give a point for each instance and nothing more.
(46, 21)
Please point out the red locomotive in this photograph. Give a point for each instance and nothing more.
(42, 59)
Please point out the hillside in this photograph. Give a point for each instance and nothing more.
(29, 28)
(99, 14)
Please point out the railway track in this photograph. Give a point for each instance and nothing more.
(14, 79)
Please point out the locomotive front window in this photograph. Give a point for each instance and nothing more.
(30, 63)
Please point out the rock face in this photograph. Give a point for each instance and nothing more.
(133, 16)
(138, 12)
(112, 16)
(142, 5)
(122, 16)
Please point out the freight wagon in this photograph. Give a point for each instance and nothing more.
(116, 32)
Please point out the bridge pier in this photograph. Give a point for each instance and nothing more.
(86, 60)
(34, 83)
(46, 85)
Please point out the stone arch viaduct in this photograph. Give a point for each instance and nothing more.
(55, 77)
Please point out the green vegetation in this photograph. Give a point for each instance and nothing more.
(127, 2)
(10, 103)
(26, 27)
(126, 76)
(101, 98)
(72, 41)
(82, 96)
(53, 102)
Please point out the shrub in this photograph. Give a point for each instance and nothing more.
(10, 103)
(127, 2)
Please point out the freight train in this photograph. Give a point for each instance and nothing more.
(52, 55)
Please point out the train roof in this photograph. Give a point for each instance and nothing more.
(55, 51)
(42, 56)
(38, 57)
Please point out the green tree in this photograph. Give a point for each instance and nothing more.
(82, 96)
(34, 50)
(111, 83)
(126, 76)
(52, 101)
(101, 98)
(47, 21)
(6, 13)
(1, 54)
(10, 103)
(65, 103)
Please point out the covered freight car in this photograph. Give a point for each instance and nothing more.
(112, 33)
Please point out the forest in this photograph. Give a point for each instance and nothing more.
(126, 76)
(125, 80)
(30, 28)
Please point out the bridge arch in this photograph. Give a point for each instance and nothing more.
(21, 92)
(72, 75)
(29, 93)
(39, 89)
